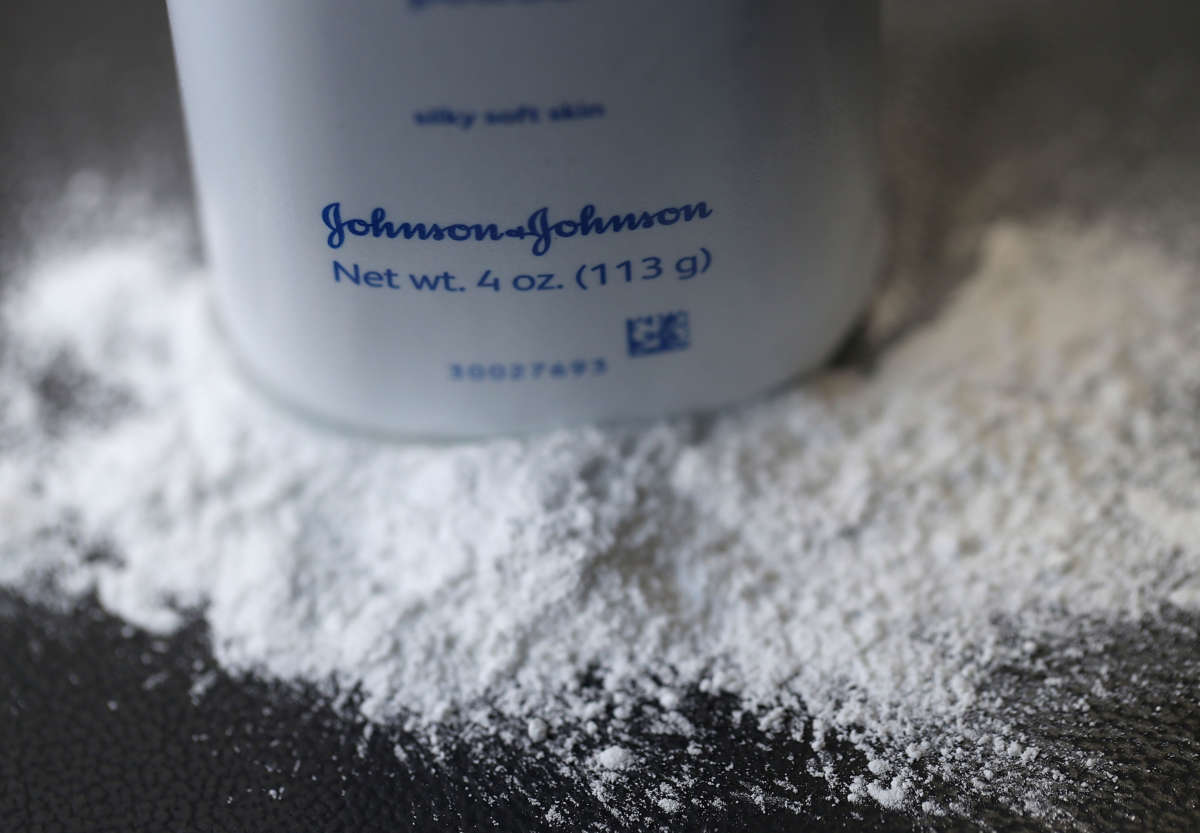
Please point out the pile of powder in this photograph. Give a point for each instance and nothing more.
(867, 560)
(857, 550)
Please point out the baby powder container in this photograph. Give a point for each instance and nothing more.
(462, 217)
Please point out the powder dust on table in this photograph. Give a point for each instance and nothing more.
(850, 559)
(859, 549)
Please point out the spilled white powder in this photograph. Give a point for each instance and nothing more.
(613, 757)
(856, 563)
(857, 550)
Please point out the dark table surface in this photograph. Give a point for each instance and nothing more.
(87, 745)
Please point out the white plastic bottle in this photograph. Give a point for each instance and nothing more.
(461, 217)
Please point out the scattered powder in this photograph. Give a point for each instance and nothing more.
(669, 805)
(857, 549)
(613, 757)
(849, 560)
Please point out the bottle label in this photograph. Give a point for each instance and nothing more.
(463, 216)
